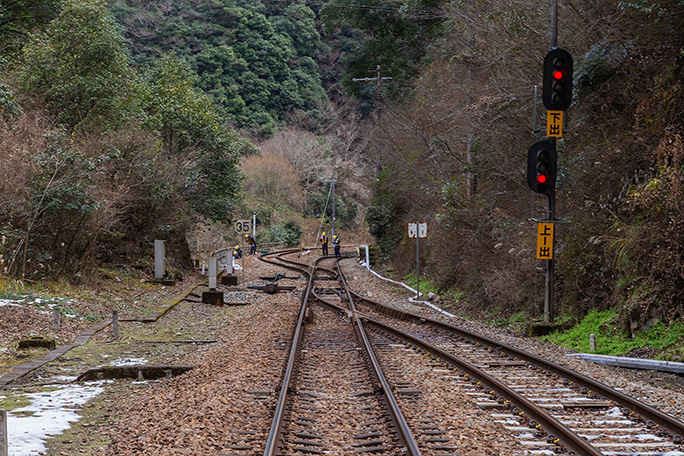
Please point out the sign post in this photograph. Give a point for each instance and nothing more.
(242, 227)
(3, 433)
(417, 231)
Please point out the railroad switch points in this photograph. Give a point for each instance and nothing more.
(272, 288)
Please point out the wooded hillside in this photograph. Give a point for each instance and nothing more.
(454, 155)
(121, 120)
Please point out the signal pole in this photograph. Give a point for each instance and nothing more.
(551, 212)
(551, 208)
(541, 173)
(333, 207)
(550, 264)
(554, 24)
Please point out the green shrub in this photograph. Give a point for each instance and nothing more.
(610, 340)
(289, 234)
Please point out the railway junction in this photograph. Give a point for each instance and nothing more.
(336, 361)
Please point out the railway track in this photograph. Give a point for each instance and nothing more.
(367, 419)
(545, 408)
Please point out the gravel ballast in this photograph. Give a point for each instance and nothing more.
(197, 413)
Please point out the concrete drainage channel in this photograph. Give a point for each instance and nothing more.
(137, 372)
(66, 402)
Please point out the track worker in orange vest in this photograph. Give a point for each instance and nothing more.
(324, 244)
(336, 246)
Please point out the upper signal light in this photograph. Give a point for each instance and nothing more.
(557, 88)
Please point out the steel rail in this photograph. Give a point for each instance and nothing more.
(556, 431)
(274, 439)
(657, 418)
(273, 443)
(405, 434)
(266, 258)
(290, 264)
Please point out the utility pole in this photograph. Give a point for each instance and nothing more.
(378, 78)
(470, 178)
(333, 207)
(378, 95)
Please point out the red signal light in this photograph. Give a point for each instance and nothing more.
(557, 91)
(541, 166)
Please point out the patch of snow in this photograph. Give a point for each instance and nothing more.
(39, 305)
(63, 378)
(128, 361)
(50, 413)
(615, 412)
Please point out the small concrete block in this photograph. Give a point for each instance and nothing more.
(37, 342)
(212, 297)
(229, 279)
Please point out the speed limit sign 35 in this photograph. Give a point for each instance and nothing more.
(242, 226)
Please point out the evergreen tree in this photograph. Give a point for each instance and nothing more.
(80, 66)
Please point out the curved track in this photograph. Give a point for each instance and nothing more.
(554, 410)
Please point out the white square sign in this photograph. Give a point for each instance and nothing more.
(417, 230)
(422, 230)
(412, 230)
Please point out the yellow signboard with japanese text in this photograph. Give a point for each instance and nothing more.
(554, 124)
(544, 241)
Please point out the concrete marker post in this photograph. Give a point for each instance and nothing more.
(212, 272)
(159, 259)
(115, 324)
(3, 433)
(56, 315)
(213, 296)
(592, 342)
(367, 265)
